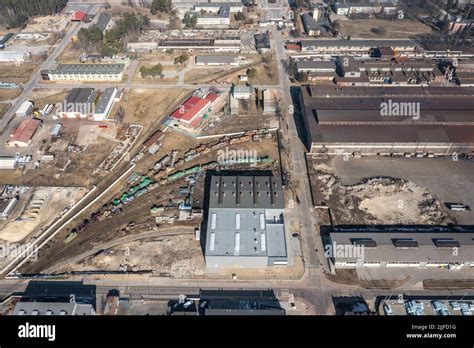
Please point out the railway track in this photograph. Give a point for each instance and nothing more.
(117, 242)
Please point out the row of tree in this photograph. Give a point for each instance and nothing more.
(15, 13)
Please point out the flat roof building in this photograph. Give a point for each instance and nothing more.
(25, 109)
(53, 308)
(7, 162)
(12, 56)
(217, 60)
(245, 227)
(402, 121)
(85, 72)
(104, 22)
(407, 246)
(335, 46)
(241, 91)
(105, 103)
(262, 42)
(239, 302)
(79, 103)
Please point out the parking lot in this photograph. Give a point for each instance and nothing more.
(448, 180)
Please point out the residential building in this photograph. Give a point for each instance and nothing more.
(317, 70)
(216, 7)
(85, 72)
(23, 135)
(245, 227)
(316, 66)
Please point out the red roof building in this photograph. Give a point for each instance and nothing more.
(193, 109)
(24, 133)
(293, 47)
(78, 16)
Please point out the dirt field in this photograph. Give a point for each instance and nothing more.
(69, 55)
(448, 284)
(7, 94)
(349, 277)
(267, 73)
(3, 109)
(19, 73)
(378, 200)
(358, 28)
(149, 107)
(176, 256)
(40, 207)
(240, 123)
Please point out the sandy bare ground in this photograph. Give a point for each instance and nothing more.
(379, 200)
(390, 29)
(43, 207)
(177, 256)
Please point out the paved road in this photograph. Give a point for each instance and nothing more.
(9, 122)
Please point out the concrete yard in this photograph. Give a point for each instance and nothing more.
(375, 198)
(446, 180)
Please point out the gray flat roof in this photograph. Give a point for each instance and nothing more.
(427, 251)
(353, 116)
(357, 43)
(243, 219)
(87, 69)
(105, 99)
(262, 40)
(224, 59)
(104, 19)
(250, 192)
(252, 240)
(80, 95)
(56, 307)
(316, 64)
